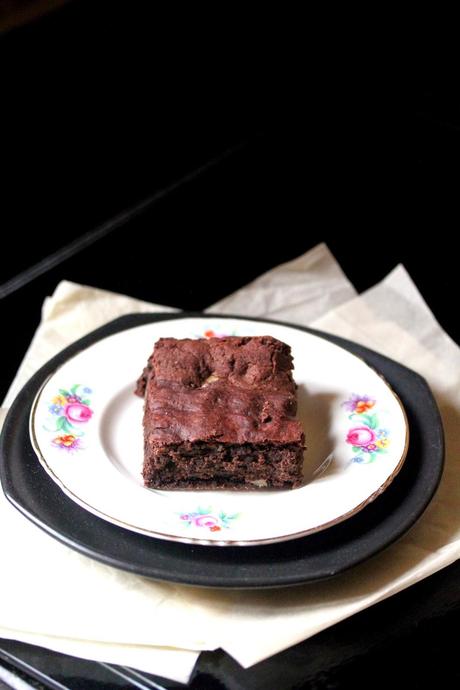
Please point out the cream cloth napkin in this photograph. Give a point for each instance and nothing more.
(163, 619)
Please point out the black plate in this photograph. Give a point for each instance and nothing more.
(314, 557)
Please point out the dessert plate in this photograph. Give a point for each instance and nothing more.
(318, 555)
(86, 429)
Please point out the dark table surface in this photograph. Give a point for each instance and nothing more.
(175, 167)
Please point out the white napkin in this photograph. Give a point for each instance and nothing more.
(298, 291)
(249, 625)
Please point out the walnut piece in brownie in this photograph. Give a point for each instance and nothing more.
(220, 414)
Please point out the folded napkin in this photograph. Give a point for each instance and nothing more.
(161, 627)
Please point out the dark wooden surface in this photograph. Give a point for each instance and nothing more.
(102, 110)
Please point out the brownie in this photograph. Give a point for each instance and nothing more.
(220, 413)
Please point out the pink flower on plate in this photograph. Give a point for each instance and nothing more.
(360, 436)
(78, 412)
(206, 521)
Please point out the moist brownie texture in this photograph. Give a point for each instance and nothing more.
(220, 413)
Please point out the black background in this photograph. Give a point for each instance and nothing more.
(316, 133)
(315, 141)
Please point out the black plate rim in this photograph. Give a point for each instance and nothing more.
(306, 568)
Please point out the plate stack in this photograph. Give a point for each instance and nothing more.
(71, 459)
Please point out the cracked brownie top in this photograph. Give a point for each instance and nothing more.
(223, 390)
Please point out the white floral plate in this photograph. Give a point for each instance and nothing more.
(86, 428)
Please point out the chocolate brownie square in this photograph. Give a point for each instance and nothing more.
(220, 414)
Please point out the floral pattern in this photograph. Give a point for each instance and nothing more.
(367, 438)
(204, 517)
(67, 441)
(69, 410)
